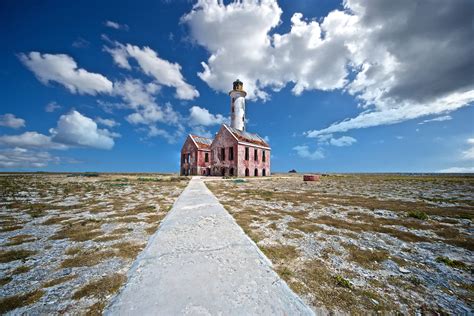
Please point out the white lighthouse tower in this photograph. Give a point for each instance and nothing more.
(237, 105)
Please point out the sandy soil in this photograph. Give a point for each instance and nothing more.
(363, 243)
(66, 242)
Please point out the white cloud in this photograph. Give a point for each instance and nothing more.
(75, 129)
(51, 107)
(30, 140)
(23, 158)
(329, 139)
(63, 69)
(437, 119)
(139, 97)
(457, 170)
(403, 66)
(115, 25)
(164, 72)
(119, 55)
(107, 122)
(304, 152)
(201, 116)
(171, 138)
(201, 131)
(80, 43)
(342, 141)
(10, 120)
(469, 153)
(405, 111)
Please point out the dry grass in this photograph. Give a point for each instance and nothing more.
(108, 238)
(55, 220)
(16, 301)
(21, 269)
(9, 228)
(20, 239)
(101, 288)
(12, 255)
(79, 230)
(152, 229)
(141, 209)
(370, 226)
(128, 250)
(408, 208)
(60, 280)
(5, 280)
(96, 309)
(281, 253)
(305, 226)
(335, 292)
(87, 259)
(369, 259)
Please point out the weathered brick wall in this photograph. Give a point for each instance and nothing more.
(224, 139)
(188, 168)
(251, 164)
(201, 163)
(197, 161)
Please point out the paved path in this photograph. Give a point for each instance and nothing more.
(200, 262)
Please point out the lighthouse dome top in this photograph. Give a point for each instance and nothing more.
(238, 86)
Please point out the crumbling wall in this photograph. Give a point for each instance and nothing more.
(262, 167)
(220, 166)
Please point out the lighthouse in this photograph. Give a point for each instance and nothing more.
(237, 105)
(233, 151)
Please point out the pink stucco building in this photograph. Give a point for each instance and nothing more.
(232, 152)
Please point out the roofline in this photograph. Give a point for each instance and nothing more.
(242, 142)
(191, 136)
(254, 145)
(227, 128)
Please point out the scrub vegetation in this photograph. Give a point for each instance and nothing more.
(71, 238)
(363, 243)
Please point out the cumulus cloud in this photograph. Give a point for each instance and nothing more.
(457, 170)
(80, 43)
(63, 69)
(51, 107)
(469, 153)
(75, 129)
(10, 120)
(329, 139)
(171, 137)
(115, 25)
(164, 72)
(140, 97)
(23, 158)
(304, 152)
(437, 119)
(402, 60)
(201, 116)
(107, 122)
(342, 141)
(31, 140)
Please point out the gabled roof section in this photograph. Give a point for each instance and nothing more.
(201, 142)
(243, 136)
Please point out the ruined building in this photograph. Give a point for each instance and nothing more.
(232, 152)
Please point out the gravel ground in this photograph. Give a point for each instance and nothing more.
(363, 243)
(67, 241)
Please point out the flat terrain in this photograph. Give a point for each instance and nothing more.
(363, 243)
(67, 241)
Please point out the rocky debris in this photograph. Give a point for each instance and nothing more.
(58, 233)
(358, 227)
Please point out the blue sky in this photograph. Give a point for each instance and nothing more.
(359, 86)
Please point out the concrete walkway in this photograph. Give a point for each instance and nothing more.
(200, 262)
